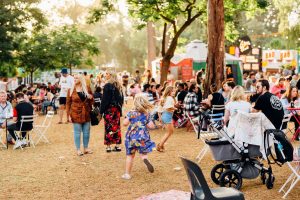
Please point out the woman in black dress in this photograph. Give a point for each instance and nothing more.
(111, 110)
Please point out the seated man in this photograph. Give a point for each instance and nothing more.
(269, 104)
(23, 108)
(5, 110)
(48, 101)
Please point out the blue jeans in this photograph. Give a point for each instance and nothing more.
(85, 129)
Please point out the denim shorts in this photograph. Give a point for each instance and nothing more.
(167, 117)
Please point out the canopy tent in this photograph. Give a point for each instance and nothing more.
(196, 51)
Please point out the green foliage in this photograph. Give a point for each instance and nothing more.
(72, 47)
(7, 70)
(96, 14)
(14, 16)
(36, 53)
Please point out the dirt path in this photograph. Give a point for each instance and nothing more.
(53, 171)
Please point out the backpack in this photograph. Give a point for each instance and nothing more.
(282, 146)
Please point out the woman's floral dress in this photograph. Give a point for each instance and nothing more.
(137, 136)
(112, 126)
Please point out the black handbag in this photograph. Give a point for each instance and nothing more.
(94, 114)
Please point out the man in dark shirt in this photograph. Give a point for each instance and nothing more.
(181, 94)
(23, 108)
(269, 104)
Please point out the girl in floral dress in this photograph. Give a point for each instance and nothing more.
(137, 138)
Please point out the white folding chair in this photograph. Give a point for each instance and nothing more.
(284, 124)
(292, 179)
(208, 135)
(195, 122)
(18, 133)
(41, 129)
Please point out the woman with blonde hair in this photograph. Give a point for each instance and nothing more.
(79, 105)
(111, 110)
(168, 107)
(237, 103)
(99, 81)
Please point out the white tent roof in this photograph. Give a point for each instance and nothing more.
(197, 50)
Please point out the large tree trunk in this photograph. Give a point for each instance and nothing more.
(164, 69)
(31, 77)
(151, 44)
(216, 46)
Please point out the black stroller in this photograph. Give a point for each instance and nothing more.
(244, 161)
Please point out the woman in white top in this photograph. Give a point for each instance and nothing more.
(237, 103)
(168, 107)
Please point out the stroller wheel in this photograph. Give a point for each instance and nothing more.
(270, 181)
(216, 173)
(231, 178)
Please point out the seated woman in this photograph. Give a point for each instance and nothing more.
(215, 98)
(191, 107)
(237, 103)
(190, 103)
(291, 97)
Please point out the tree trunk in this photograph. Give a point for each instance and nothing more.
(164, 69)
(70, 67)
(151, 44)
(216, 46)
(31, 77)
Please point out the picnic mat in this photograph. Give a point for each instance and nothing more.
(168, 195)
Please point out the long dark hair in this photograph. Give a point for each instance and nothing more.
(289, 94)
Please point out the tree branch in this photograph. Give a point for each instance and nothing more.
(172, 47)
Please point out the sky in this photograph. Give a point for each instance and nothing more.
(49, 8)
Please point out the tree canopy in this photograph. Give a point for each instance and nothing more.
(73, 47)
(17, 17)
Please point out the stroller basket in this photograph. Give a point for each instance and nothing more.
(223, 150)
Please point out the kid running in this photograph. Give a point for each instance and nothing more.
(168, 107)
(137, 137)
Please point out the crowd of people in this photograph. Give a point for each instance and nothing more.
(154, 106)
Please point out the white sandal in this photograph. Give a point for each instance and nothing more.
(126, 176)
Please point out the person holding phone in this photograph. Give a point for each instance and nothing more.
(279, 89)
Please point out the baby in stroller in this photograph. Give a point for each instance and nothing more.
(252, 138)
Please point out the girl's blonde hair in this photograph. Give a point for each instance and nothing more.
(82, 82)
(141, 103)
(167, 92)
(237, 93)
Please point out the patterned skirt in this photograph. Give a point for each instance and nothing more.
(112, 126)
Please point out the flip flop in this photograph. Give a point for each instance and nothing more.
(88, 152)
(79, 153)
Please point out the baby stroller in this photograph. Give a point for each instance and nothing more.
(243, 160)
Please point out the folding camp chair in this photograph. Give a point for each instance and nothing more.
(25, 119)
(207, 134)
(292, 179)
(42, 129)
(284, 124)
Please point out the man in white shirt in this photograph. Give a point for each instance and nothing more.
(65, 83)
(6, 111)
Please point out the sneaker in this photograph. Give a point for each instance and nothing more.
(149, 165)
(126, 176)
(18, 144)
(117, 149)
